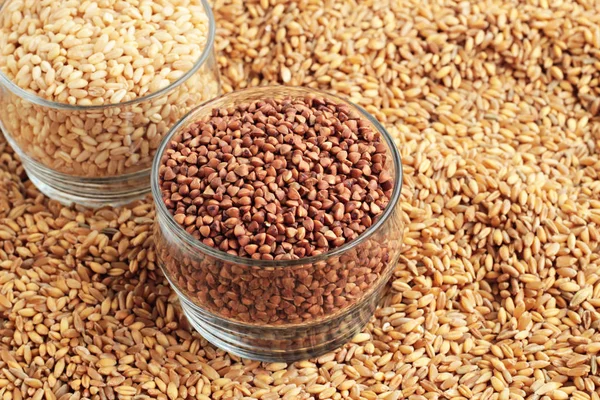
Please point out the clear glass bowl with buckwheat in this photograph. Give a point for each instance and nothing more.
(89, 88)
(278, 220)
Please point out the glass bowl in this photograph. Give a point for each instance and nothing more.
(278, 310)
(100, 155)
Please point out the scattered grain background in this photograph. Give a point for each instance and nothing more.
(494, 106)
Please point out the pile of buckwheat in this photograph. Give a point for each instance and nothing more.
(495, 107)
(277, 179)
(281, 178)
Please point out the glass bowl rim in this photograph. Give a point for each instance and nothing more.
(15, 89)
(196, 245)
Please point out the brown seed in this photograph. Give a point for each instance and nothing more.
(242, 170)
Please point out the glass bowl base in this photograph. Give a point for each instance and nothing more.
(263, 354)
(281, 344)
(89, 192)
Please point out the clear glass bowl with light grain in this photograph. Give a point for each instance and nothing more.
(99, 155)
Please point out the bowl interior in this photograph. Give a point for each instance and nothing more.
(394, 165)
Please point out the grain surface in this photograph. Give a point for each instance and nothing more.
(495, 105)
